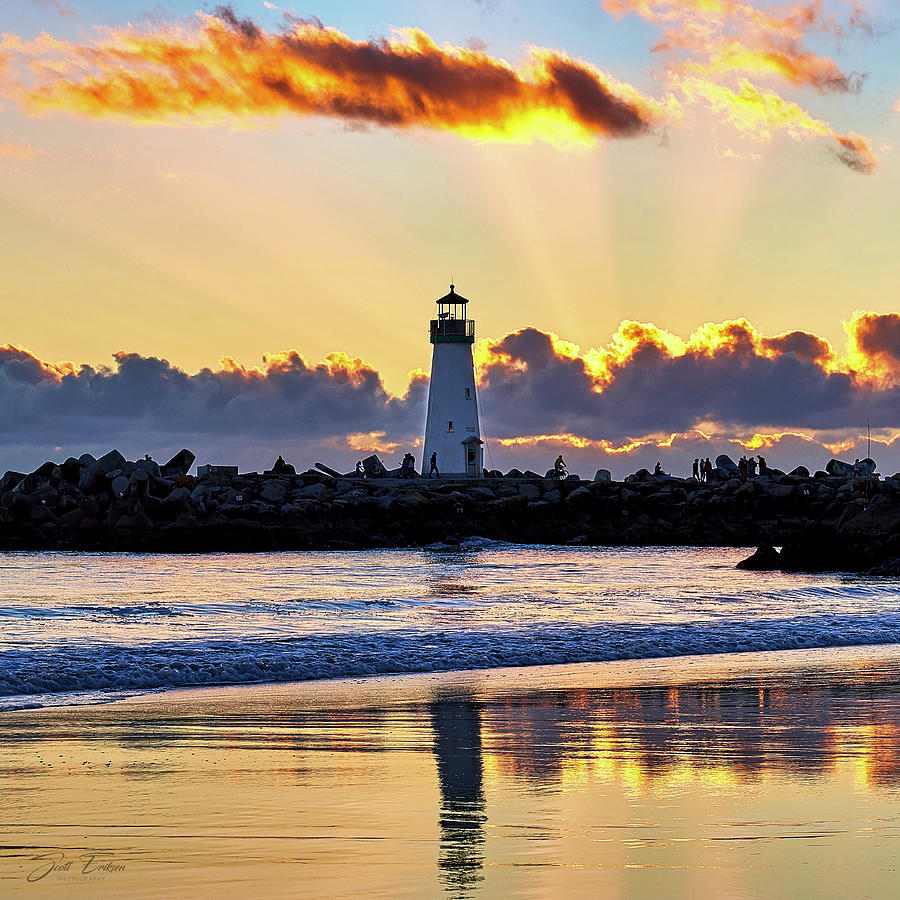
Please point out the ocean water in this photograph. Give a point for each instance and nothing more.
(78, 627)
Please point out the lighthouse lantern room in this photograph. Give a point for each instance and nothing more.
(452, 432)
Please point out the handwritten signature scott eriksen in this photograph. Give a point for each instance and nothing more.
(86, 864)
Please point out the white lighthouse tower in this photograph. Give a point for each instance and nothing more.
(452, 432)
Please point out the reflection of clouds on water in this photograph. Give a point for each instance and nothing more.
(457, 752)
(648, 737)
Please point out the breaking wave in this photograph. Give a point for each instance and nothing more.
(315, 656)
(79, 628)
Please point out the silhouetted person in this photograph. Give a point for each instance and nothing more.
(559, 467)
(742, 468)
(763, 468)
(360, 469)
(751, 467)
(434, 469)
(707, 469)
(695, 470)
(280, 467)
(657, 469)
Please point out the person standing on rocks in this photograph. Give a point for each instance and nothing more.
(762, 465)
(751, 467)
(742, 468)
(434, 468)
(695, 470)
(707, 469)
(360, 469)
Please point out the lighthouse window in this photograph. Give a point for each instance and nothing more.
(450, 425)
(468, 393)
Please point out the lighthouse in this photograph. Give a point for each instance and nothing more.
(452, 431)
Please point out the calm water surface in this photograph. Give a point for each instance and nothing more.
(744, 776)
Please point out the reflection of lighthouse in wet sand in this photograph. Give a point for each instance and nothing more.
(452, 433)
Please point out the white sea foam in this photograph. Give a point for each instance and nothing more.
(76, 626)
(169, 665)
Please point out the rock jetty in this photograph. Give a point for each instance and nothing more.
(829, 520)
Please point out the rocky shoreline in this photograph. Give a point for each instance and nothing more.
(822, 522)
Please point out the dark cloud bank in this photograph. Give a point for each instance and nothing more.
(786, 388)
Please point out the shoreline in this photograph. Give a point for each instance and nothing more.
(644, 671)
(637, 669)
(777, 771)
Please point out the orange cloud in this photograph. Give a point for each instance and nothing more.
(758, 114)
(223, 68)
(786, 61)
(874, 344)
(377, 442)
(645, 395)
(720, 48)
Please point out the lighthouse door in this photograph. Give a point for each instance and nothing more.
(471, 460)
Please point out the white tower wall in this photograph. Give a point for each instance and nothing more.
(452, 399)
(452, 431)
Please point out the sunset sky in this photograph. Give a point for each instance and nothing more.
(199, 193)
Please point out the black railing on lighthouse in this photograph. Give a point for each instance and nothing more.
(453, 327)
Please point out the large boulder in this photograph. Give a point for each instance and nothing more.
(603, 475)
(312, 491)
(274, 492)
(640, 475)
(845, 470)
(93, 476)
(765, 559)
(119, 486)
(10, 480)
(47, 470)
(71, 470)
(180, 498)
(799, 472)
(840, 468)
(374, 467)
(727, 465)
(149, 466)
(179, 464)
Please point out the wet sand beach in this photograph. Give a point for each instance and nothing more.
(745, 775)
